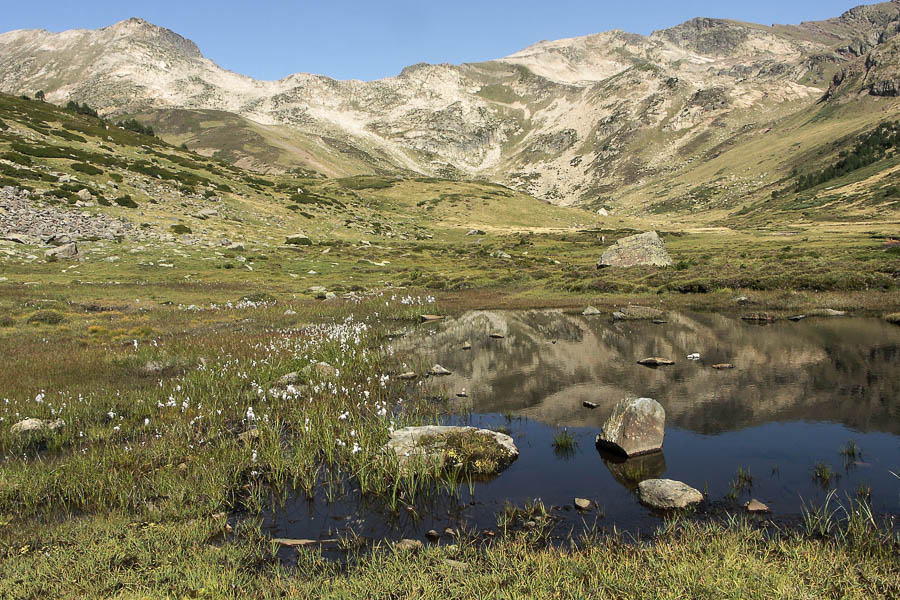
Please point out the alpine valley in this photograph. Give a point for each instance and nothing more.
(708, 118)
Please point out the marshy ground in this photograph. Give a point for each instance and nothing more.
(164, 365)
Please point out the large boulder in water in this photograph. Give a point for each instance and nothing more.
(636, 250)
(635, 427)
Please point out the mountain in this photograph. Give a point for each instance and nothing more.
(617, 120)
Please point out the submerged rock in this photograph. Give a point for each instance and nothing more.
(826, 312)
(635, 427)
(755, 506)
(723, 366)
(636, 250)
(583, 504)
(667, 494)
(759, 317)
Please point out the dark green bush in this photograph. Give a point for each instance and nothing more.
(19, 159)
(87, 169)
(180, 229)
(126, 201)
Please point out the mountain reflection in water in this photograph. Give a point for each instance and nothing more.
(840, 370)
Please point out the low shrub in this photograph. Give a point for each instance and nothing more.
(126, 201)
(45, 317)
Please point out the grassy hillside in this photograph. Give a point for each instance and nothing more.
(734, 184)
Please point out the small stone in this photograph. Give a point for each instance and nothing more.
(723, 366)
(590, 311)
(428, 318)
(433, 535)
(634, 312)
(323, 370)
(292, 378)
(298, 239)
(69, 250)
(497, 336)
(408, 545)
(583, 504)
(755, 506)
(467, 346)
(249, 435)
(450, 531)
(456, 564)
(796, 318)
(438, 370)
(588, 404)
(667, 494)
(655, 361)
(462, 394)
(408, 376)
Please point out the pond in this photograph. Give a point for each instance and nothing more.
(800, 396)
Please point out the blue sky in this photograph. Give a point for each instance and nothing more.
(368, 40)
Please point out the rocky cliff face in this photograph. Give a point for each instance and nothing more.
(568, 120)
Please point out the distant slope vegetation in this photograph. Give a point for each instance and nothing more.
(67, 156)
(704, 120)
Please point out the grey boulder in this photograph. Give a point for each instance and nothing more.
(637, 250)
(29, 425)
(635, 427)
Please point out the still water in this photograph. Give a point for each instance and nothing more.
(798, 394)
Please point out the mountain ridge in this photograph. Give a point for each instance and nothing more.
(582, 120)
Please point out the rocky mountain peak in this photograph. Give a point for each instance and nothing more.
(712, 37)
(138, 29)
